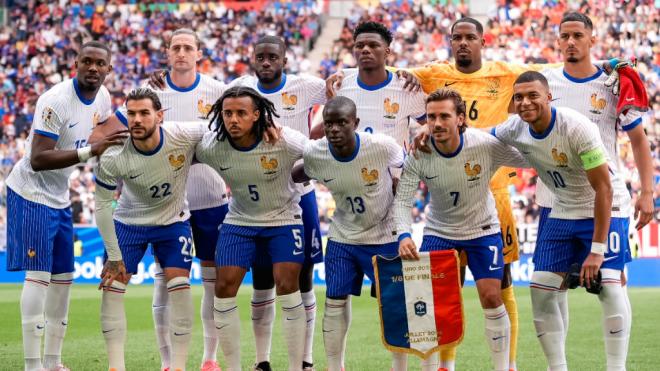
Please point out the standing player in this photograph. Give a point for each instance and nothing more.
(187, 95)
(151, 210)
(40, 227)
(462, 212)
(580, 85)
(587, 224)
(293, 97)
(264, 223)
(356, 169)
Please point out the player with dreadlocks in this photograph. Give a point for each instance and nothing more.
(264, 223)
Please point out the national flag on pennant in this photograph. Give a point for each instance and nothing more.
(420, 302)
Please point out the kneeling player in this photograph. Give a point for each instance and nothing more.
(462, 209)
(264, 219)
(355, 168)
(152, 209)
(567, 152)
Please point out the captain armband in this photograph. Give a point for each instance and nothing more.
(593, 158)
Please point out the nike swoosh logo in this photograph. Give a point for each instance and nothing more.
(64, 323)
(297, 252)
(40, 327)
(291, 319)
(72, 125)
(498, 338)
(494, 268)
(220, 328)
(315, 253)
(324, 330)
(106, 331)
(135, 176)
(615, 332)
(177, 334)
(525, 152)
(630, 99)
(431, 177)
(328, 180)
(186, 260)
(610, 258)
(541, 334)
(224, 168)
(450, 83)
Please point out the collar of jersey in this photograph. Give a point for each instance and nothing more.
(548, 130)
(243, 149)
(377, 86)
(586, 79)
(155, 150)
(273, 90)
(347, 158)
(170, 83)
(453, 154)
(86, 102)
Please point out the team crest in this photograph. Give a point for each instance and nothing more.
(472, 171)
(31, 253)
(47, 115)
(177, 161)
(391, 109)
(270, 165)
(597, 104)
(370, 177)
(203, 109)
(96, 119)
(420, 308)
(561, 160)
(289, 101)
(493, 87)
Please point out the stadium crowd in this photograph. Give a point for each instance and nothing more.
(517, 31)
(522, 31)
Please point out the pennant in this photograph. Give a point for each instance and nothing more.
(420, 302)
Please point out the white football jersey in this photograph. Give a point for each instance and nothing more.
(205, 188)
(65, 116)
(263, 193)
(153, 190)
(555, 155)
(462, 206)
(294, 100)
(385, 108)
(593, 99)
(361, 186)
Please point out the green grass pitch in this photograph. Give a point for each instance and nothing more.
(84, 346)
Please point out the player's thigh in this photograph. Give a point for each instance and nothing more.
(205, 226)
(343, 273)
(133, 242)
(285, 245)
(173, 245)
(236, 246)
(63, 244)
(31, 229)
(485, 257)
(312, 228)
(490, 293)
(511, 249)
(228, 280)
(556, 247)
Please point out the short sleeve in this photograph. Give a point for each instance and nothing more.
(505, 155)
(309, 159)
(584, 136)
(418, 106)
(395, 154)
(506, 131)
(294, 142)
(104, 173)
(47, 118)
(631, 119)
(315, 88)
(105, 107)
(121, 115)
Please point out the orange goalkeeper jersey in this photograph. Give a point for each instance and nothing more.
(487, 94)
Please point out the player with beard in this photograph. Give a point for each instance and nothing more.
(39, 224)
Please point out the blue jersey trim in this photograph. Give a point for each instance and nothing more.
(155, 150)
(493, 131)
(274, 90)
(453, 154)
(632, 125)
(47, 134)
(106, 186)
(348, 158)
(243, 149)
(548, 130)
(84, 101)
(404, 236)
(121, 118)
(170, 83)
(377, 86)
(586, 79)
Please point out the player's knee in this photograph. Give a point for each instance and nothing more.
(225, 288)
(285, 286)
(306, 278)
(490, 298)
